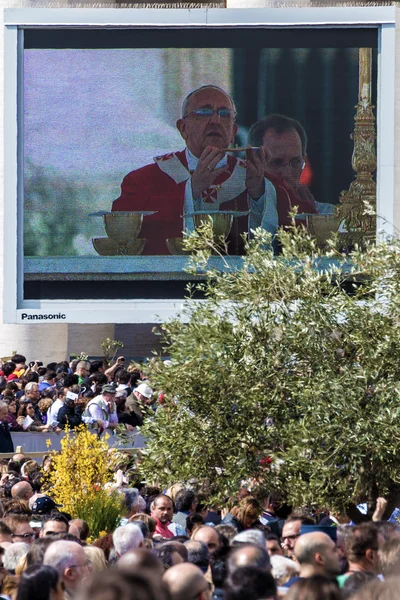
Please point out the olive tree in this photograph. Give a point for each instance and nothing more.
(286, 372)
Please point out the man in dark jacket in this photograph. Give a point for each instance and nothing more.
(6, 443)
(70, 414)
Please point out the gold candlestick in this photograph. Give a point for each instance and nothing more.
(352, 210)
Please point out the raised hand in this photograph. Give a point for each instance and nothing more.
(206, 173)
(256, 166)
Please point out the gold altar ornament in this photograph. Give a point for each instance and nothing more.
(359, 223)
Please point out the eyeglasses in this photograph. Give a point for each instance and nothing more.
(290, 537)
(296, 164)
(25, 536)
(205, 112)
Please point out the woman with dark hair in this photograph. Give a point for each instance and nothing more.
(13, 407)
(40, 582)
(28, 410)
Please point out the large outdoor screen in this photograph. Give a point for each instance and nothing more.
(101, 108)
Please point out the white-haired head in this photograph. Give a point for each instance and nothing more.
(250, 536)
(126, 538)
(13, 554)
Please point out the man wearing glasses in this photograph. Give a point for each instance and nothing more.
(203, 177)
(285, 145)
(21, 531)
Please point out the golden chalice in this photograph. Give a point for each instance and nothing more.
(123, 229)
(221, 221)
(322, 227)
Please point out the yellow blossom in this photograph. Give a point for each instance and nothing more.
(77, 479)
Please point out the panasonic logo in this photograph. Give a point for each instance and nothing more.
(49, 317)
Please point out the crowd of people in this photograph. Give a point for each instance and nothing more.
(170, 544)
(173, 544)
(65, 395)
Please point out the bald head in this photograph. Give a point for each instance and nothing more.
(22, 490)
(317, 552)
(249, 555)
(186, 581)
(138, 559)
(70, 562)
(209, 537)
(18, 457)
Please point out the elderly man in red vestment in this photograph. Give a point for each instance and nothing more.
(203, 177)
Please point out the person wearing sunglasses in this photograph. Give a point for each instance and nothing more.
(204, 177)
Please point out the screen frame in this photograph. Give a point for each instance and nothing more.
(18, 310)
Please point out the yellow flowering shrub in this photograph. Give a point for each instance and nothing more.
(77, 478)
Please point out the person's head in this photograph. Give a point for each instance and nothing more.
(131, 501)
(27, 409)
(83, 528)
(247, 512)
(3, 411)
(41, 583)
(249, 555)
(149, 521)
(126, 538)
(32, 391)
(22, 490)
(16, 506)
(388, 530)
(108, 393)
(168, 555)
(187, 582)
(96, 558)
(193, 522)
(250, 583)
(389, 558)
(273, 545)
(208, 119)
(285, 142)
(19, 360)
(355, 582)
(316, 587)
(198, 554)
(82, 369)
(53, 524)
(30, 468)
(249, 536)
(117, 585)
(209, 537)
(219, 570)
(70, 562)
(162, 508)
(291, 532)
(139, 559)
(143, 393)
(37, 550)
(283, 568)
(362, 547)
(5, 532)
(185, 501)
(13, 555)
(50, 377)
(21, 530)
(317, 553)
(227, 531)
(143, 528)
(8, 368)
